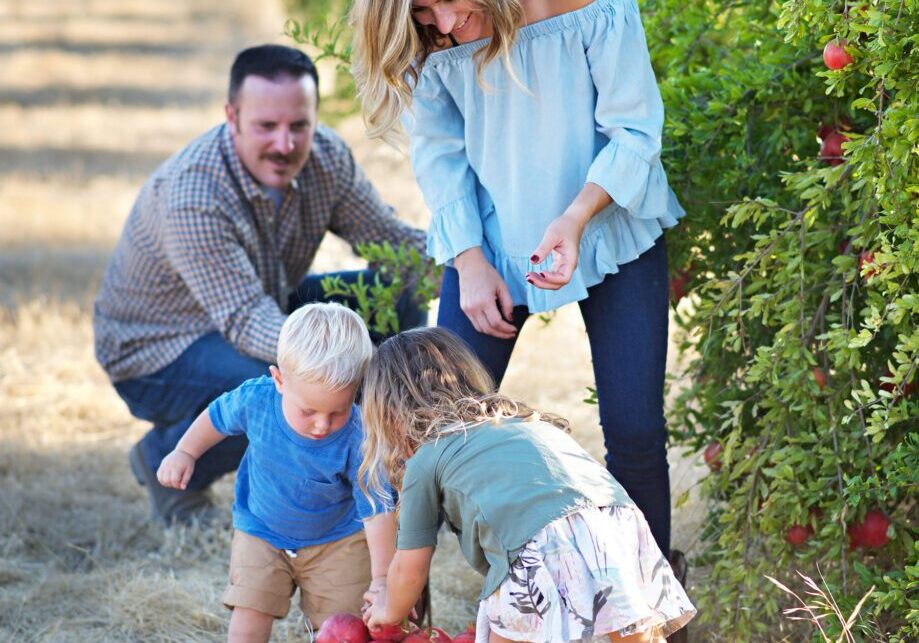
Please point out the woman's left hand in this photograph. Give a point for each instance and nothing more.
(561, 242)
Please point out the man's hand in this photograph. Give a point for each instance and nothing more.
(484, 296)
(176, 469)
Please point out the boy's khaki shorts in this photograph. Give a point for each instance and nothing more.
(332, 577)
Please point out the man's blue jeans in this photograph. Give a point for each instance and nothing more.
(626, 317)
(174, 396)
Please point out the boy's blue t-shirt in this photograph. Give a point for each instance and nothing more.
(292, 491)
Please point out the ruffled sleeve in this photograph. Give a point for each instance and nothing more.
(441, 167)
(629, 112)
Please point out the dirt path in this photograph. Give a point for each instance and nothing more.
(93, 95)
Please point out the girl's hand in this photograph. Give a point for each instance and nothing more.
(484, 296)
(562, 242)
(176, 469)
(377, 615)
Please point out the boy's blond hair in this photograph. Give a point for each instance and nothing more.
(325, 343)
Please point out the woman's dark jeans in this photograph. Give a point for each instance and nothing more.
(173, 397)
(626, 318)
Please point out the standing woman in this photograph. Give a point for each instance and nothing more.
(535, 131)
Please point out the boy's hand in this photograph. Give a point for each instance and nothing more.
(376, 591)
(176, 469)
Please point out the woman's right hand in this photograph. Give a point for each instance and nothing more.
(176, 469)
(484, 297)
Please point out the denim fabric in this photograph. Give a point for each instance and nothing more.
(172, 397)
(626, 316)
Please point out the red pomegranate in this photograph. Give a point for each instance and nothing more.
(871, 533)
(712, 455)
(835, 55)
(440, 636)
(467, 636)
(797, 535)
(819, 377)
(866, 258)
(679, 284)
(831, 148)
(393, 632)
(906, 389)
(343, 628)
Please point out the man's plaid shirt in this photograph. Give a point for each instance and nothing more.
(204, 250)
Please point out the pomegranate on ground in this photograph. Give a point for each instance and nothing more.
(343, 628)
(466, 636)
(393, 632)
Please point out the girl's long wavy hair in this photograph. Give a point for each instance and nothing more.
(422, 384)
(389, 49)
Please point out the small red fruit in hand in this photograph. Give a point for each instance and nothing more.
(797, 535)
(831, 148)
(835, 55)
(712, 455)
(343, 628)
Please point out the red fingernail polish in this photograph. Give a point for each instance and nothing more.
(534, 259)
(529, 280)
(543, 275)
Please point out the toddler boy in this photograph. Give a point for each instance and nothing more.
(300, 517)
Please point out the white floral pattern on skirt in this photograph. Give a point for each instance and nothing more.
(586, 575)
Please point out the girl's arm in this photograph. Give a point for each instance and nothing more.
(381, 540)
(405, 581)
(177, 468)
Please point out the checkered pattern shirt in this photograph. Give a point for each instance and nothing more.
(205, 249)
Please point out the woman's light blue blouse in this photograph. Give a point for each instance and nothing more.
(497, 165)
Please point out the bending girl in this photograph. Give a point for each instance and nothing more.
(565, 553)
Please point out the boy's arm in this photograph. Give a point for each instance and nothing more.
(405, 581)
(177, 467)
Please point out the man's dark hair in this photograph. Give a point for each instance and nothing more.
(270, 62)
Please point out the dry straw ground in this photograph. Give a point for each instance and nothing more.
(93, 94)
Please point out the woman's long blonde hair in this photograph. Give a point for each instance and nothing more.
(390, 47)
(421, 384)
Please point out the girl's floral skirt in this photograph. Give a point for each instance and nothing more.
(586, 575)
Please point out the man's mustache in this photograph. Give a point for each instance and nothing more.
(279, 158)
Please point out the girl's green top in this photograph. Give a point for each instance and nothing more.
(497, 485)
